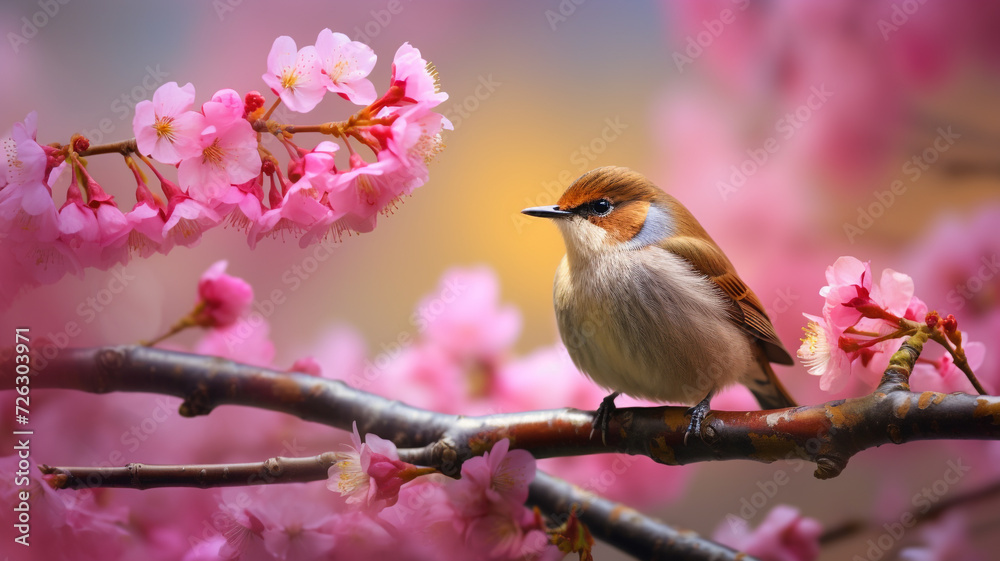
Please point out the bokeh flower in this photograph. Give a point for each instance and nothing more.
(784, 535)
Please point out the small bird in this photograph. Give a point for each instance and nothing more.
(649, 305)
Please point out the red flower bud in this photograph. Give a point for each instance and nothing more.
(950, 324)
(80, 143)
(932, 319)
(252, 102)
(267, 167)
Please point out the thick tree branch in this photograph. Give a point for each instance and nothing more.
(207, 382)
(828, 434)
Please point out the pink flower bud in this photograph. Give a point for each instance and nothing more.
(224, 298)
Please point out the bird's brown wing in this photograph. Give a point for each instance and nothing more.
(747, 312)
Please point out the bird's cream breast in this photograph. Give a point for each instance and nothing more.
(643, 322)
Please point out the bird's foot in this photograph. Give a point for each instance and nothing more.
(602, 420)
(698, 413)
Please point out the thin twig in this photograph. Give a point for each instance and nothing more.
(142, 476)
(124, 147)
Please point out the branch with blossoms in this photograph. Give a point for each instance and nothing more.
(827, 434)
(565, 504)
(863, 324)
(222, 162)
(491, 452)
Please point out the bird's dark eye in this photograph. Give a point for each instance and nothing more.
(600, 207)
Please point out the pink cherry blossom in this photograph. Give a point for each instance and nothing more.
(301, 211)
(821, 355)
(847, 279)
(305, 208)
(27, 209)
(838, 358)
(224, 298)
(244, 203)
(207, 550)
(784, 535)
(243, 528)
(146, 219)
(489, 503)
(854, 303)
(29, 219)
(370, 473)
(22, 159)
(164, 127)
(508, 532)
(360, 536)
(97, 231)
(414, 80)
(28, 212)
(295, 75)
(186, 220)
(226, 105)
(499, 476)
(227, 151)
(45, 262)
(295, 524)
(59, 518)
(369, 188)
(345, 65)
(414, 136)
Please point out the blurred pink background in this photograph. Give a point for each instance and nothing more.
(860, 129)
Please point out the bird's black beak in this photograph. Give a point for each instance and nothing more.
(547, 212)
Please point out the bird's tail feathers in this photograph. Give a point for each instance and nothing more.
(766, 387)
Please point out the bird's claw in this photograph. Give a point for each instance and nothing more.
(602, 419)
(698, 413)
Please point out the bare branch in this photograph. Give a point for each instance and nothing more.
(142, 476)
